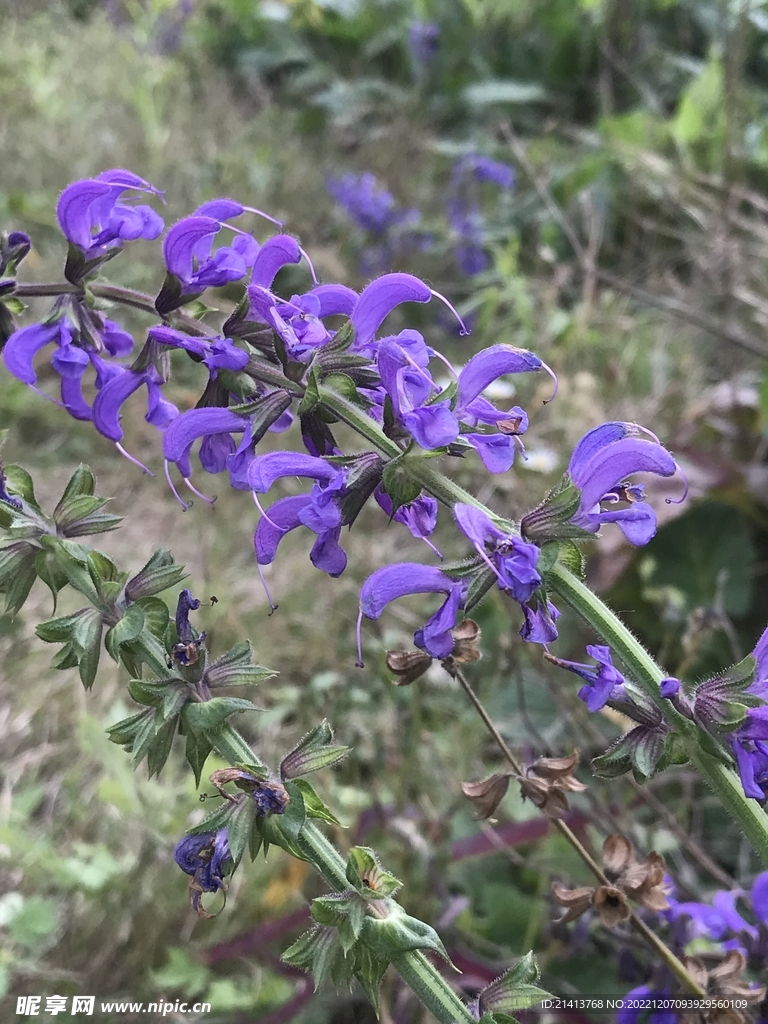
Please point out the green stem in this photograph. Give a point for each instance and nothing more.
(722, 780)
(413, 967)
(425, 980)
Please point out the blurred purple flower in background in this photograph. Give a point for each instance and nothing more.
(423, 42)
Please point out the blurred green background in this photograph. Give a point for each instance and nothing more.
(630, 255)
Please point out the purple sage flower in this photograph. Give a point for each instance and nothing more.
(603, 682)
(93, 216)
(401, 579)
(599, 467)
(512, 561)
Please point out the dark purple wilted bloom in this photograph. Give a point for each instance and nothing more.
(269, 794)
(603, 681)
(721, 921)
(423, 41)
(206, 858)
(539, 622)
(512, 560)
(600, 466)
(187, 650)
(93, 216)
(406, 578)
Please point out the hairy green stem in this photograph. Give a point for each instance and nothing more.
(425, 980)
(413, 967)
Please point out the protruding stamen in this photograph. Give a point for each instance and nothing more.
(553, 375)
(448, 363)
(360, 663)
(272, 605)
(464, 329)
(679, 501)
(130, 458)
(260, 507)
(429, 543)
(266, 216)
(204, 497)
(175, 493)
(43, 395)
(309, 262)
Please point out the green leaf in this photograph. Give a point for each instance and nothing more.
(515, 990)
(123, 632)
(211, 713)
(365, 873)
(20, 483)
(82, 481)
(398, 484)
(67, 555)
(67, 657)
(52, 575)
(87, 636)
(160, 572)
(58, 631)
(197, 751)
(313, 752)
(311, 394)
(236, 669)
(314, 805)
(369, 971)
(160, 748)
(156, 615)
(76, 507)
(145, 650)
(124, 732)
(219, 818)
(17, 591)
(240, 827)
(398, 933)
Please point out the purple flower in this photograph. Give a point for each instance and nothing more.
(188, 256)
(512, 561)
(216, 353)
(381, 296)
(599, 468)
(319, 510)
(419, 515)
(93, 217)
(603, 681)
(539, 619)
(206, 857)
(401, 579)
(423, 41)
(369, 205)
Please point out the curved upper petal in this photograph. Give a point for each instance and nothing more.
(22, 347)
(399, 580)
(189, 426)
(273, 256)
(487, 366)
(614, 462)
(265, 469)
(73, 400)
(283, 517)
(109, 401)
(180, 242)
(219, 209)
(598, 438)
(73, 209)
(378, 300)
(335, 298)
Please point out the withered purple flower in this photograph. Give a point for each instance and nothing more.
(206, 857)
